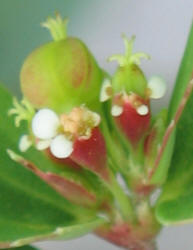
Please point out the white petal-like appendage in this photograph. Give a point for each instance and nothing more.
(116, 110)
(43, 144)
(104, 95)
(24, 143)
(45, 124)
(157, 85)
(143, 110)
(96, 119)
(61, 147)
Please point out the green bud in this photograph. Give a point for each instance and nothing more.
(129, 77)
(61, 74)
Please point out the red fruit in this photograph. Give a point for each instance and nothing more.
(133, 124)
(91, 153)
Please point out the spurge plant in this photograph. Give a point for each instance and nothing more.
(82, 151)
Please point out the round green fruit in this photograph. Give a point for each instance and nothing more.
(130, 79)
(61, 75)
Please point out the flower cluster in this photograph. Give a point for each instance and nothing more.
(61, 133)
(76, 112)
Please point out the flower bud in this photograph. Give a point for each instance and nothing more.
(61, 74)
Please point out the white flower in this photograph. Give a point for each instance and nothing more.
(45, 124)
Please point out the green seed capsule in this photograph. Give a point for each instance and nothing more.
(129, 77)
(61, 75)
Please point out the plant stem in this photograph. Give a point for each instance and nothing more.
(124, 202)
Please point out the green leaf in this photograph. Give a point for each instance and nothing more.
(183, 77)
(60, 233)
(68, 188)
(158, 157)
(176, 202)
(161, 172)
(29, 209)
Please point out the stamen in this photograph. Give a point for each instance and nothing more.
(79, 122)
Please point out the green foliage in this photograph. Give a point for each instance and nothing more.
(161, 172)
(183, 77)
(176, 202)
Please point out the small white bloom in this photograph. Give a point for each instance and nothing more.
(116, 110)
(45, 124)
(157, 85)
(61, 147)
(106, 87)
(143, 110)
(43, 144)
(24, 143)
